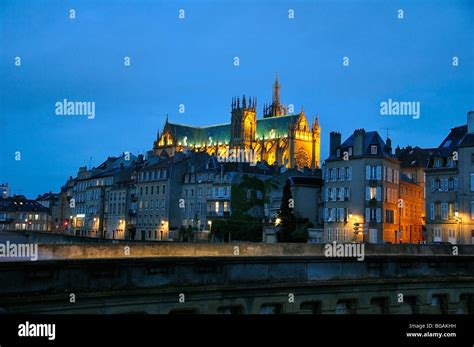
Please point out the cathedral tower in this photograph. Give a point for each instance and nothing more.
(276, 108)
(243, 122)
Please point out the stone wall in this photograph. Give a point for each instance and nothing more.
(429, 284)
(59, 246)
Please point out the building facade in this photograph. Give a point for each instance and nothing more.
(90, 194)
(361, 189)
(18, 213)
(158, 193)
(411, 208)
(413, 161)
(450, 187)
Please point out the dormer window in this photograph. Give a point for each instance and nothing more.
(447, 143)
(350, 151)
(373, 149)
(450, 162)
(437, 162)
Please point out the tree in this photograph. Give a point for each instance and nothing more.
(186, 234)
(287, 217)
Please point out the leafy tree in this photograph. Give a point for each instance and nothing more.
(240, 201)
(186, 234)
(287, 217)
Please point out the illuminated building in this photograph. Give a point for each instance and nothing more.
(412, 211)
(278, 138)
(361, 189)
(450, 187)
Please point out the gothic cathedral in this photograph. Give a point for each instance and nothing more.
(278, 138)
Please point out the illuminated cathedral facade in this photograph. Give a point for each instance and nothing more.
(278, 138)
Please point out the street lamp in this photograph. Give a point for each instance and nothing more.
(277, 221)
(459, 220)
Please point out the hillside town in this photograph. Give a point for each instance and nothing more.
(191, 186)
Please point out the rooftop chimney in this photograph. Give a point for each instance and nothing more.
(334, 142)
(359, 139)
(470, 122)
(388, 143)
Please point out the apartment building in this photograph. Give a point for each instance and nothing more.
(361, 189)
(90, 191)
(450, 187)
(205, 193)
(412, 211)
(207, 187)
(158, 193)
(17, 213)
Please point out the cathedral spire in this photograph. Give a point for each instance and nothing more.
(316, 123)
(276, 91)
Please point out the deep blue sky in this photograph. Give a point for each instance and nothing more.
(191, 62)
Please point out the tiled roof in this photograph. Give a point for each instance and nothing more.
(20, 203)
(306, 181)
(405, 178)
(371, 138)
(413, 156)
(457, 137)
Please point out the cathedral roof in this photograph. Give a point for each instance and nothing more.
(221, 133)
(279, 124)
(200, 135)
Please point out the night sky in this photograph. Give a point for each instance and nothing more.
(191, 62)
